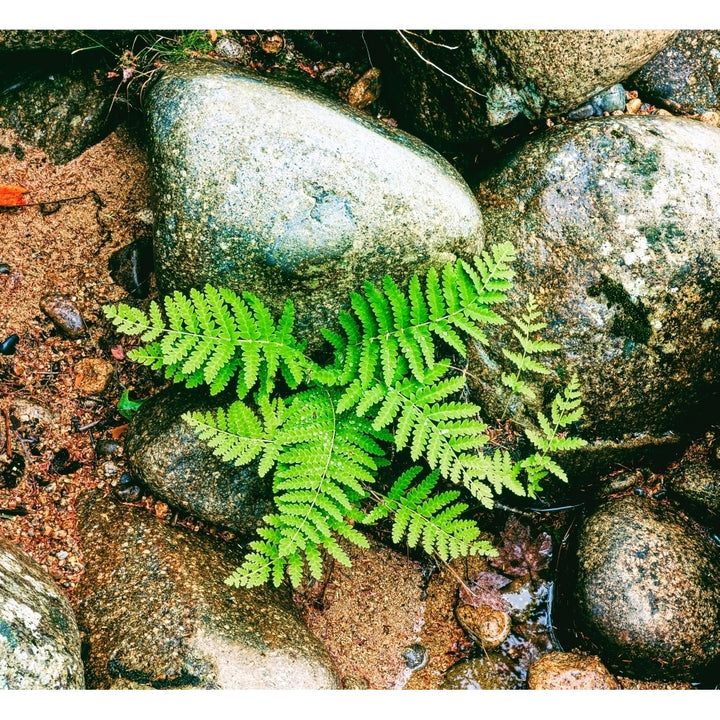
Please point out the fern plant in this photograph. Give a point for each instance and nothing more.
(388, 384)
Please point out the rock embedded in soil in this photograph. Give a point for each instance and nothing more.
(131, 267)
(570, 671)
(154, 612)
(268, 187)
(646, 594)
(58, 104)
(165, 454)
(39, 637)
(484, 624)
(92, 375)
(64, 315)
(616, 223)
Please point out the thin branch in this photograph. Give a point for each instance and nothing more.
(439, 69)
(430, 42)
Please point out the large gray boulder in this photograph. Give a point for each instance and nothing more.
(154, 612)
(166, 455)
(616, 222)
(39, 638)
(647, 593)
(267, 187)
(456, 86)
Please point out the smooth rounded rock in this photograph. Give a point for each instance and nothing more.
(39, 638)
(268, 187)
(165, 454)
(616, 222)
(570, 671)
(154, 611)
(484, 624)
(64, 314)
(480, 673)
(646, 592)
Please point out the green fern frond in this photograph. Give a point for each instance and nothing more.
(209, 335)
(387, 385)
(423, 517)
(528, 324)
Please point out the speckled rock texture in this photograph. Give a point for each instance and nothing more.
(647, 593)
(500, 75)
(63, 40)
(39, 638)
(165, 454)
(685, 76)
(617, 226)
(154, 612)
(570, 671)
(59, 104)
(267, 187)
(695, 480)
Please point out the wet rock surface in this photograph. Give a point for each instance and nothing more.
(623, 262)
(255, 193)
(570, 671)
(685, 76)
(39, 638)
(646, 594)
(165, 454)
(61, 106)
(64, 315)
(154, 612)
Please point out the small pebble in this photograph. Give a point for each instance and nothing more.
(128, 493)
(92, 376)
(64, 315)
(131, 267)
(485, 625)
(272, 44)
(7, 346)
(366, 90)
(107, 447)
(229, 47)
(415, 656)
(633, 106)
(4, 269)
(62, 554)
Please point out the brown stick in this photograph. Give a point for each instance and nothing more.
(8, 434)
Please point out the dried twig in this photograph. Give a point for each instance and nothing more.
(8, 433)
(439, 69)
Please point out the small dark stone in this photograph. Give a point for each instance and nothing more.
(7, 346)
(107, 447)
(12, 473)
(131, 267)
(4, 269)
(640, 492)
(62, 464)
(64, 315)
(415, 656)
(128, 493)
